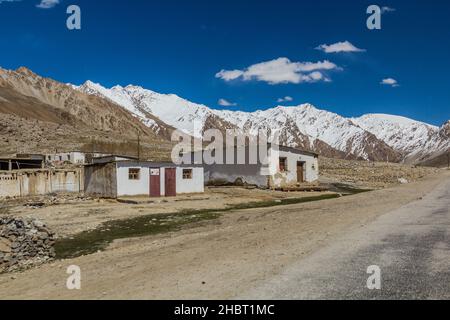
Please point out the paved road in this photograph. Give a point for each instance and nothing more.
(411, 245)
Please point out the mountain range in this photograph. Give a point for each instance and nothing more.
(377, 137)
(38, 112)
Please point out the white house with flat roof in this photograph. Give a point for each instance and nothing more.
(284, 167)
(141, 178)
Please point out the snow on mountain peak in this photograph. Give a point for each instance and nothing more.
(393, 119)
(373, 136)
(413, 138)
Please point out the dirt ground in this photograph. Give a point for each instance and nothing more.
(71, 215)
(218, 259)
(374, 175)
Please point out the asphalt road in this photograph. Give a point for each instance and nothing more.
(411, 246)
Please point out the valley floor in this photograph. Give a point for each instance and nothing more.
(234, 255)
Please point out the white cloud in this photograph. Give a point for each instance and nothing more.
(1, 1)
(285, 99)
(387, 9)
(229, 75)
(281, 70)
(338, 47)
(47, 4)
(226, 103)
(390, 82)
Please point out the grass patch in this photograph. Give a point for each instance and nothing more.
(89, 242)
(346, 189)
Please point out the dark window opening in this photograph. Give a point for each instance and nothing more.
(187, 174)
(134, 174)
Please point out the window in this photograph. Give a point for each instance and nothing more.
(283, 164)
(134, 174)
(187, 174)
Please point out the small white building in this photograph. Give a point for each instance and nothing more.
(140, 178)
(78, 157)
(70, 157)
(293, 167)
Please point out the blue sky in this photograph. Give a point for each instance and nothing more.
(271, 46)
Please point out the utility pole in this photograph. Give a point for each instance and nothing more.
(139, 146)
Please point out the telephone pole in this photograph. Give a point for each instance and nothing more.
(139, 146)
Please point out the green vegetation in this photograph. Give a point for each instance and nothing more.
(92, 241)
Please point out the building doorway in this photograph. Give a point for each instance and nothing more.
(300, 172)
(170, 182)
(155, 182)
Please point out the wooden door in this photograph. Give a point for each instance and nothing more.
(155, 182)
(171, 182)
(300, 172)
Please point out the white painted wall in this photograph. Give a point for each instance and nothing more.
(311, 168)
(127, 187)
(194, 185)
(141, 187)
(72, 157)
(78, 157)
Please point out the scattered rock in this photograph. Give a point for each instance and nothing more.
(24, 243)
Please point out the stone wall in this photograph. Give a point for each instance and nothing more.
(24, 243)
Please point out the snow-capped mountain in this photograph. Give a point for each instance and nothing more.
(89, 111)
(415, 139)
(172, 110)
(317, 125)
(302, 126)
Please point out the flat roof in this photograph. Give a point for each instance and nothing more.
(115, 155)
(20, 159)
(145, 162)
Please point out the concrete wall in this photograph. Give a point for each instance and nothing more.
(141, 187)
(39, 182)
(100, 180)
(281, 179)
(268, 175)
(72, 157)
(127, 187)
(249, 174)
(9, 185)
(194, 185)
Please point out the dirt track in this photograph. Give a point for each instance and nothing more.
(216, 260)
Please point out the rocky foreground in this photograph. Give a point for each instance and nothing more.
(375, 175)
(24, 243)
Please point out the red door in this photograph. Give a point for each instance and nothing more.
(171, 182)
(155, 182)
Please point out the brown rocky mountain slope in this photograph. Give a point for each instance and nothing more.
(40, 115)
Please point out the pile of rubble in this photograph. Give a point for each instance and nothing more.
(24, 243)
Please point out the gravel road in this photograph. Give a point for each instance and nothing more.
(410, 245)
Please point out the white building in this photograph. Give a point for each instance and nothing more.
(139, 178)
(284, 167)
(71, 157)
(77, 157)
